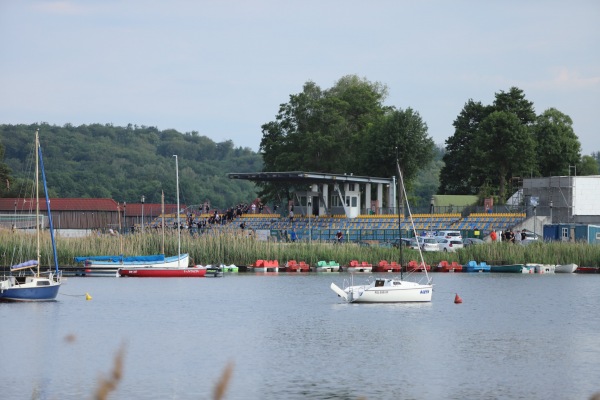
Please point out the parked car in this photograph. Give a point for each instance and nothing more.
(449, 235)
(528, 235)
(405, 242)
(424, 243)
(450, 245)
(429, 244)
(472, 241)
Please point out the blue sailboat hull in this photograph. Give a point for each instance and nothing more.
(40, 293)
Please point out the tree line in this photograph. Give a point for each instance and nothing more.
(347, 128)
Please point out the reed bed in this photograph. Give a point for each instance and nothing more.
(235, 247)
(582, 254)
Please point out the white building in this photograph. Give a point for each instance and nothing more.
(333, 194)
(565, 199)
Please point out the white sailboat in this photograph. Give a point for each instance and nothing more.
(120, 265)
(389, 290)
(178, 266)
(34, 287)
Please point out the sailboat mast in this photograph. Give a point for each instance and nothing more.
(37, 198)
(399, 205)
(162, 212)
(50, 223)
(412, 222)
(178, 222)
(120, 229)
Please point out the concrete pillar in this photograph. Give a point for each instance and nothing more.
(325, 199)
(368, 197)
(380, 195)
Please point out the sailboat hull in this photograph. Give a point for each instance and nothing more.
(410, 295)
(108, 265)
(35, 289)
(386, 291)
(156, 272)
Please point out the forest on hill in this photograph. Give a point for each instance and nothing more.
(124, 163)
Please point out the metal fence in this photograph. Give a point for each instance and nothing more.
(21, 221)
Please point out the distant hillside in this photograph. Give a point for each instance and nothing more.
(124, 163)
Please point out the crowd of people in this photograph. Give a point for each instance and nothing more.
(197, 221)
(509, 236)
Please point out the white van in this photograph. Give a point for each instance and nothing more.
(449, 235)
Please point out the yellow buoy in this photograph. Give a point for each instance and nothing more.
(87, 296)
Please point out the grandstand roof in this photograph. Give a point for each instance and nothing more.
(307, 177)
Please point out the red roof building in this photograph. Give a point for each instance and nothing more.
(80, 213)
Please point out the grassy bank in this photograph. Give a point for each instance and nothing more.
(234, 248)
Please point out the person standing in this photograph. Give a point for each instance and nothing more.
(339, 236)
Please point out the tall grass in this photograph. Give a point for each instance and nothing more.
(234, 247)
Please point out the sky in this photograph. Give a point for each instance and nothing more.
(222, 68)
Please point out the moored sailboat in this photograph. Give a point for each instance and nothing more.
(34, 287)
(390, 290)
(111, 264)
(178, 266)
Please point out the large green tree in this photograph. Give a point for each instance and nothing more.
(492, 145)
(317, 127)
(557, 145)
(344, 129)
(510, 148)
(460, 175)
(399, 134)
(316, 130)
(588, 166)
(514, 101)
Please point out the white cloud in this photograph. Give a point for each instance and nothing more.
(564, 77)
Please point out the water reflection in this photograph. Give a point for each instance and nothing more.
(291, 337)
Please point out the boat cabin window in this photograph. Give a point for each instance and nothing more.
(397, 283)
(43, 283)
(379, 282)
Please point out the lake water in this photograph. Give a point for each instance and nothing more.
(288, 336)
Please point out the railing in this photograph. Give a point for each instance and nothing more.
(374, 236)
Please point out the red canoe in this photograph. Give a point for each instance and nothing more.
(155, 272)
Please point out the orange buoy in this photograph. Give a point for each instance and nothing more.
(457, 299)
